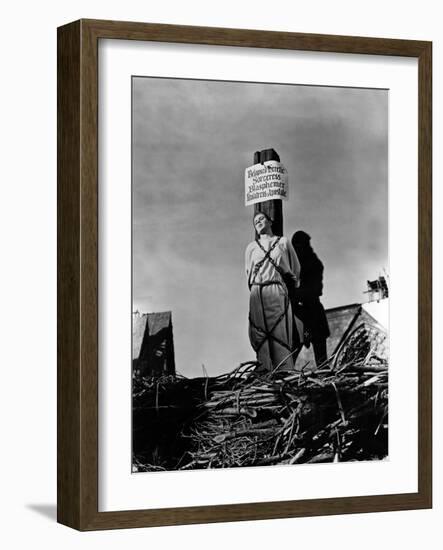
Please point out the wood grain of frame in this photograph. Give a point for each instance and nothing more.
(77, 315)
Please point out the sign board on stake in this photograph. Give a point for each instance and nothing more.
(264, 182)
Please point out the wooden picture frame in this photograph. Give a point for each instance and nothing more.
(78, 274)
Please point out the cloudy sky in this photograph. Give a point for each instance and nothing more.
(192, 141)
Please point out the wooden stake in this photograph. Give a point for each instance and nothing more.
(272, 208)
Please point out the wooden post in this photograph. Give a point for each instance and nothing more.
(272, 208)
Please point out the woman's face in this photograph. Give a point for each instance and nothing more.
(262, 223)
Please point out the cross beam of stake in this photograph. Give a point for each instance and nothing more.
(272, 208)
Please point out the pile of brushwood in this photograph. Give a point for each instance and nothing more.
(336, 412)
(162, 407)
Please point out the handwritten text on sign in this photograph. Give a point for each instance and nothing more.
(265, 182)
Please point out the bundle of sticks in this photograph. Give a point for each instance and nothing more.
(336, 412)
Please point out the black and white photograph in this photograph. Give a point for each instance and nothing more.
(219, 223)
(260, 274)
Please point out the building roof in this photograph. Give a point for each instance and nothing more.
(153, 322)
(340, 319)
(139, 321)
(343, 319)
(158, 321)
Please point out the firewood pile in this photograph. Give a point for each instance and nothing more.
(337, 412)
(161, 408)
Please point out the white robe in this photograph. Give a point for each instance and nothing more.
(271, 329)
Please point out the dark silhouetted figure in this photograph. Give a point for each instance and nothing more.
(306, 298)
